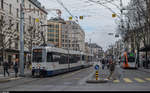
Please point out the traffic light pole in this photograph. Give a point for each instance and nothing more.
(21, 57)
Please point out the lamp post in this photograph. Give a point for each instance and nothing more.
(21, 57)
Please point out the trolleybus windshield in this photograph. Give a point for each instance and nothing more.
(131, 59)
(37, 55)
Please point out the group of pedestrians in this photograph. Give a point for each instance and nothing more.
(110, 63)
(6, 67)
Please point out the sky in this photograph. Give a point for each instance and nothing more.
(97, 22)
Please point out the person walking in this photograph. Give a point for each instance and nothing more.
(103, 63)
(111, 69)
(15, 67)
(6, 67)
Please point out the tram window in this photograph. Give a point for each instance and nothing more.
(49, 57)
(63, 59)
(37, 57)
(56, 58)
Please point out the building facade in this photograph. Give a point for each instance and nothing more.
(65, 34)
(10, 27)
(97, 51)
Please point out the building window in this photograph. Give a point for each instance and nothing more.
(2, 4)
(29, 6)
(10, 24)
(10, 7)
(57, 40)
(29, 19)
(52, 40)
(34, 21)
(17, 12)
(10, 42)
(34, 9)
(16, 44)
(2, 18)
(38, 12)
(57, 35)
(17, 27)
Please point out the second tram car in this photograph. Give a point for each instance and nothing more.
(48, 61)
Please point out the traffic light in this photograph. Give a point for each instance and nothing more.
(81, 17)
(114, 15)
(70, 18)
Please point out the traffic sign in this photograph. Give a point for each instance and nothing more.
(37, 20)
(96, 67)
(114, 15)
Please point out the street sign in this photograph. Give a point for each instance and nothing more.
(114, 15)
(96, 67)
(70, 18)
(37, 20)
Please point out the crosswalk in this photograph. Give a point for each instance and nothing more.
(132, 80)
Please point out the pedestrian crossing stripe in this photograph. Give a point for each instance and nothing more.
(139, 80)
(127, 80)
(148, 79)
(116, 81)
(77, 78)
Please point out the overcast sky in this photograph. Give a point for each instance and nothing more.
(97, 22)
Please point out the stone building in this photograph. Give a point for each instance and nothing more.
(10, 27)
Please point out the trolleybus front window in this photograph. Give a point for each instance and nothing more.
(37, 56)
(131, 59)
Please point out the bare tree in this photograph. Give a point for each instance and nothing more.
(33, 37)
(7, 34)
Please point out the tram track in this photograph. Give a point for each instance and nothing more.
(52, 78)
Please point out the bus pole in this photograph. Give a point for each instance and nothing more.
(21, 57)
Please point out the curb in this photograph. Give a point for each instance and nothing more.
(96, 81)
(5, 80)
(144, 71)
(9, 79)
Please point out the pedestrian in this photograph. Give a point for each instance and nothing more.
(107, 63)
(111, 69)
(6, 67)
(103, 63)
(16, 69)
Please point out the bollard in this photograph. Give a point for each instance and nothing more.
(97, 75)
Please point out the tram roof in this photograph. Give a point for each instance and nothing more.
(60, 50)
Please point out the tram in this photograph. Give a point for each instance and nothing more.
(48, 60)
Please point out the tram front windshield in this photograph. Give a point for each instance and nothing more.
(37, 55)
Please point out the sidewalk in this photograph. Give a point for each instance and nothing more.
(12, 76)
(144, 70)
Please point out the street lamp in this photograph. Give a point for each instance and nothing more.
(21, 57)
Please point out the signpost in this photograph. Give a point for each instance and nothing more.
(97, 68)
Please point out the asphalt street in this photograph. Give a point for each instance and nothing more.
(126, 80)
